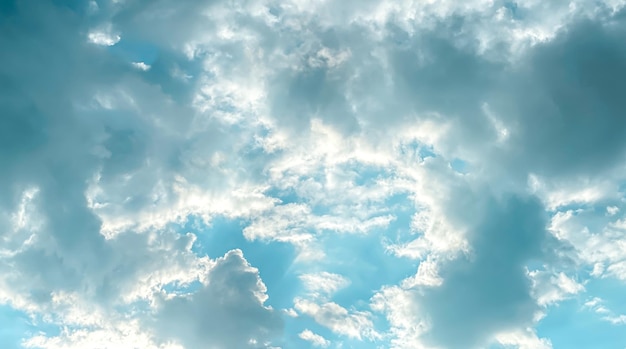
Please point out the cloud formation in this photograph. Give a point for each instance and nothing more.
(443, 174)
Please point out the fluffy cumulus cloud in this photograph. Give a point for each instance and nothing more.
(315, 339)
(290, 174)
(226, 312)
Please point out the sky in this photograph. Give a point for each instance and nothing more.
(389, 174)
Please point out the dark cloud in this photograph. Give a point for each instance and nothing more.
(565, 103)
(488, 291)
(559, 101)
(47, 142)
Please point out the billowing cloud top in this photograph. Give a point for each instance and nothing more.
(312, 174)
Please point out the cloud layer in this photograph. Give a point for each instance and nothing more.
(423, 174)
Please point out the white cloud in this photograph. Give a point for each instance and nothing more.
(353, 324)
(578, 192)
(524, 339)
(123, 337)
(616, 320)
(323, 283)
(407, 322)
(550, 288)
(597, 305)
(612, 210)
(103, 38)
(141, 66)
(104, 35)
(596, 237)
(427, 275)
(314, 338)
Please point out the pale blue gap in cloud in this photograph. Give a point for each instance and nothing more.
(570, 325)
(16, 326)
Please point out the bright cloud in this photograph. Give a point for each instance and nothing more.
(315, 339)
(353, 324)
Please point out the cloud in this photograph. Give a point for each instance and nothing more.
(524, 339)
(315, 339)
(353, 324)
(406, 324)
(226, 298)
(616, 320)
(227, 312)
(563, 138)
(308, 122)
(549, 288)
(598, 306)
(89, 144)
(489, 292)
(323, 283)
(483, 292)
(596, 238)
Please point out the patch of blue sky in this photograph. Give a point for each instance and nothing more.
(417, 150)
(16, 326)
(573, 325)
(568, 326)
(364, 259)
(459, 166)
(178, 288)
(286, 196)
(365, 262)
(135, 50)
(535, 265)
(321, 210)
(367, 174)
(295, 325)
(513, 9)
(612, 292)
(403, 210)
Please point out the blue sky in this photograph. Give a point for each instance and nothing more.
(312, 174)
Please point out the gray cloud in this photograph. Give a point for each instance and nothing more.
(566, 102)
(488, 291)
(228, 312)
(73, 111)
